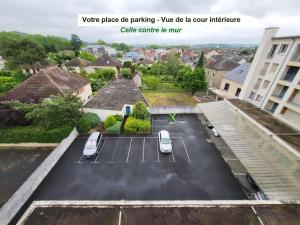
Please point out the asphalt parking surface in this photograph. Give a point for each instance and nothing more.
(132, 168)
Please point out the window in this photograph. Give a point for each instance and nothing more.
(258, 98)
(257, 84)
(265, 68)
(252, 94)
(283, 48)
(237, 93)
(291, 73)
(272, 51)
(274, 67)
(266, 84)
(226, 87)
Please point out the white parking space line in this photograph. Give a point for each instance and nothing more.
(143, 160)
(259, 219)
(187, 154)
(166, 126)
(96, 160)
(115, 149)
(157, 150)
(230, 159)
(129, 151)
(239, 174)
(173, 156)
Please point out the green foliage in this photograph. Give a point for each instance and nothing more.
(151, 83)
(23, 51)
(110, 121)
(87, 122)
(87, 56)
(114, 129)
(183, 73)
(137, 126)
(118, 117)
(57, 111)
(75, 42)
(106, 74)
(9, 79)
(194, 80)
(21, 134)
(127, 64)
(121, 47)
(172, 64)
(126, 73)
(119, 55)
(140, 111)
(158, 69)
(101, 42)
(23, 107)
(200, 62)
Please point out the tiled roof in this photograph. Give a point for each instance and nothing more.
(220, 62)
(106, 60)
(239, 73)
(77, 62)
(115, 95)
(47, 82)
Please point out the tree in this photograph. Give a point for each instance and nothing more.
(75, 42)
(21, 52)
(57, 111)
(140, 111)
(87, 56)
(126, 72)
(126, 64)
(183, 73)
(151, 82)
(172, 64)
(101, 42)
(158, 69)
(195, 80)
(200, 62)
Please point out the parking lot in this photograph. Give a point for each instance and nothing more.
(133, 168)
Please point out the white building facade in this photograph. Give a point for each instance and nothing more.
(273, 80)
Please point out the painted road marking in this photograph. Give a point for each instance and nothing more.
(129, 150)
(95, 161)
(187, 154)
(143, 160)
(115, 150)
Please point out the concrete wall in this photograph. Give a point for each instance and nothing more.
(137, 80)
(86, 93)
(214, 77)
(103, 113)
(21, 196)
(175, 109)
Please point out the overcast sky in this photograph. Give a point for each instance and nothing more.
(59, 17)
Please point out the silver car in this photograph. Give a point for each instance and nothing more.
(165, 143)
(92, 145)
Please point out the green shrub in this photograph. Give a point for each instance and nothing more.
(137, 126)
(140, 111)
(84, 125)
(118, 117)
(19, 134)
(115, 129)
(126, 72)
(93, 119)
(110, 121)
(151, 83)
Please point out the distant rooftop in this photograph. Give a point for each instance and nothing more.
(115, 95)
(220, 62)
(239, 73)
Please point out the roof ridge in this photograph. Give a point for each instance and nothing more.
(52, 81)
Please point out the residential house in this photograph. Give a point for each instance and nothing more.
(49, 81)
(216, 67)
(98, 50)
(231, 85)
(273, 80)
(104, 62)
(132, 56)
(76, 64)
(117, 97)
(211, 54)
(2, 62)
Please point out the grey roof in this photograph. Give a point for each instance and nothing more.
(221, 62)
(115, 95)
(238, 74)
(77, 62)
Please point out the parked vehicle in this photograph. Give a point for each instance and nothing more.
(252, 182)
(92, 146)
(212, 129)
(165, 143)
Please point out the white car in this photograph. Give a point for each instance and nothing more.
(165, 143)
(92, 145)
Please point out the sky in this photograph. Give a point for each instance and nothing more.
(59, 17)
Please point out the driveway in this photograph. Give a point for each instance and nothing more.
(132, 168)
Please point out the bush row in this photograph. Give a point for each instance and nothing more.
(19, 134)
(137, 126)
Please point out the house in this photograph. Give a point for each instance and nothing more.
(76, 64)
(49, 81)
(216, 67)
(231, 85)
(2, 62)
(273, 80)
(210, 54)
(117, 97)
(146, 62)
(98, 50)
(105, 62)
(132, 56)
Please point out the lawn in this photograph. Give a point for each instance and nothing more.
(169, 98)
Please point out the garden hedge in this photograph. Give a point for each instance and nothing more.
(137, 126)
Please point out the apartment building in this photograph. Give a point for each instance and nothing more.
(98, 50)
(273, 80)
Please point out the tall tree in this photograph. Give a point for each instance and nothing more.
(24, 51)
(172, 64)
(200, 61)
(194, 80)
(76, 42)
